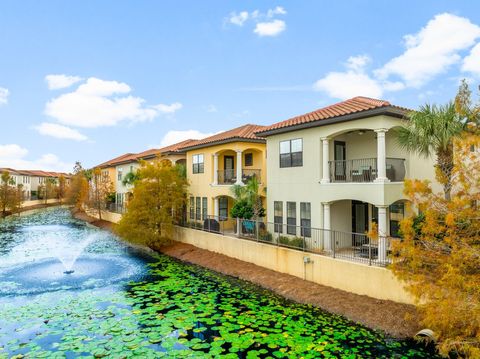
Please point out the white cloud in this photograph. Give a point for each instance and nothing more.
(432, 50)
(13, 156)
(60, 131)
(279, 10)
(168, 109)
(98, 103)
(271, 28)
(4, 93)
(265, 25)
(12, 151)
(55, 82)
(238, 19)
(471, 63)
(351, 83)
(172, 137)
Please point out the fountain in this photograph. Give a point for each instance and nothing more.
(68, 252)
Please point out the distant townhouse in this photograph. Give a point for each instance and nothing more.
(216, 163)
(117, 168)
(340, 169)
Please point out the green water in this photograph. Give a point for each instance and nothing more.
(120, 303)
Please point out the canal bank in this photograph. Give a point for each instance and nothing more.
(396, 319)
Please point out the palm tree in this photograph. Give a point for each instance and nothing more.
(430, 131)
(250, 195)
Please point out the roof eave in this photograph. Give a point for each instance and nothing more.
(222, 142)
(387, 110)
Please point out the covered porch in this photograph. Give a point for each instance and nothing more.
(237, 166)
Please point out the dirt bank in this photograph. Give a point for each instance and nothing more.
(377, 314)
(100, 223)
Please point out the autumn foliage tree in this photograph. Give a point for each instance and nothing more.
(101, 188)
(77, 193)
(159, 196)
(10, 195)
(439, 256)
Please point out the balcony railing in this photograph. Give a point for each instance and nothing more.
(229, 177)
(356, 247)
(365, 170)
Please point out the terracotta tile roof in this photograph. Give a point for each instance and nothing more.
(127, 157)
(355, 105)
(242, 133)
(36, 173)
(174, 148)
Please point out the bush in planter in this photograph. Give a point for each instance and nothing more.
(264, 235)
(291, 242)
(242, 209)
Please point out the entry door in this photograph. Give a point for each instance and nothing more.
(359, 221)
(228, 166)
(340, 156)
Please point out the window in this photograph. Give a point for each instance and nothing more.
(291, 153)
(305, 219)
(119, 174)
(278, 216)
(192, 208)
(131, 168)
(248, 159)
(198, 164)
(204, 208)
(198, 204)
(397, 212)
(223, 208)
(291, 218)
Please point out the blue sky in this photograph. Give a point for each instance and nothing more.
(90, 80)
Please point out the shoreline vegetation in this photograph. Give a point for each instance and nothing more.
(31, 208)
(395, 319)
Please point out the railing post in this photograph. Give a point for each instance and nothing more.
(238, 227)
(332, 244)
(369, 251)
(257, 229)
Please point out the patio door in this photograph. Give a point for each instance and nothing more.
(340, 156)
(359, 222)
(228, 166)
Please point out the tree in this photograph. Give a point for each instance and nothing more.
(101, 188)
(10, 196)
(130, 178)
(159, 196)
(439, 256)
(49, 189)
(61, 188)
(77, 192)
(431, 131)
(248, 203)
(464, 106)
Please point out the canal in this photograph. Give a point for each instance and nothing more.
(68, 290)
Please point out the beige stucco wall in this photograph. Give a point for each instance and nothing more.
(349, 276)
(36, 202)
(106, 215)
(302, 184)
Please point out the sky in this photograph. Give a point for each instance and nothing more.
(90, 80)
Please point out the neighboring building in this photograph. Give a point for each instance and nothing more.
(340, 168)
(216, 163)
(31, 180)
(117, 168)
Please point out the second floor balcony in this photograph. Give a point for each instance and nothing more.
(229, 176)
(365, 170)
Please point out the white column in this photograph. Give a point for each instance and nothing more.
(239, 168)
(327, 244)
(215, 169)
(381, 156)
(216, 208)
(382, 233)
(325, 158)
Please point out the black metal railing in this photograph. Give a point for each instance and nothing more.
(226, 176)
(248, 174)
(365, 170)
(229, 177)
(351, 246)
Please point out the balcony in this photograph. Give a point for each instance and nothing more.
(229, 177)
(365, 170)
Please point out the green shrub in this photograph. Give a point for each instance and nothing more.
(265, 235)
(291, 242)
